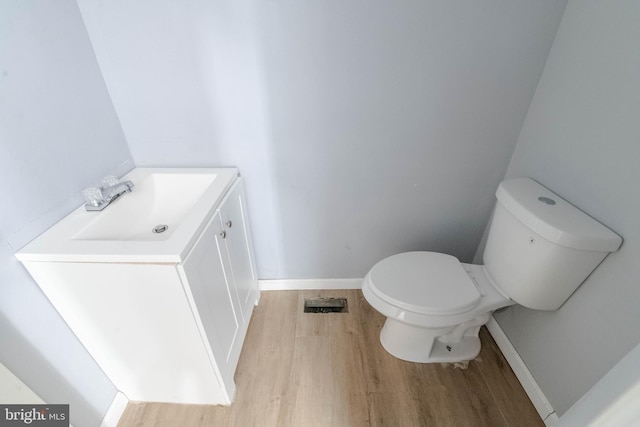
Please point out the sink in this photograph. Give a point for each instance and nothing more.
(175, 201)
(158, 199)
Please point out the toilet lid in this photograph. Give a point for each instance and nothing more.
(432, 283)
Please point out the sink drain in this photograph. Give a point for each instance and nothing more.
(161, 228)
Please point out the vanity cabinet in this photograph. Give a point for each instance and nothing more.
(165, 331)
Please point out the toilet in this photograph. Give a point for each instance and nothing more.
(539, 250)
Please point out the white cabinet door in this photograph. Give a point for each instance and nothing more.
(233, 213)
(206, 270)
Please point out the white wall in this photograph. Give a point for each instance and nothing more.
(364, 128)
(13, 391)
(615, 399)
(58, 134)
(581, 138)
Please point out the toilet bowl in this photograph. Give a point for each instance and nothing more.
(539, 249)
(434, 305)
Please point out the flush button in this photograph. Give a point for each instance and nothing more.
(546, 200)
(160, 228)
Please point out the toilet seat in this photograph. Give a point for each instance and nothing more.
(432, 283)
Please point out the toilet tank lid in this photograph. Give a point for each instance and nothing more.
(553, 218)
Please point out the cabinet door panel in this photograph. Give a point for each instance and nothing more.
(207, 277)
(233, 213)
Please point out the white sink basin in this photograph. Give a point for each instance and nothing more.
(159, 198)
(180, 199)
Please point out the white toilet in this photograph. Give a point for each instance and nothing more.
(539, 250)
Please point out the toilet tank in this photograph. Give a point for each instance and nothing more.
(540, 248)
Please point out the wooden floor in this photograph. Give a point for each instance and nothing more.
(305, 370)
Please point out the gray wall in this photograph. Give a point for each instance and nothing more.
(58, 133)
(581, 138)
(364, 128)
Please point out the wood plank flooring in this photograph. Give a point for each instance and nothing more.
(307, 370)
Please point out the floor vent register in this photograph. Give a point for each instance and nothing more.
(326, 305)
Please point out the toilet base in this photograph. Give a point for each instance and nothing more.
(426, 345)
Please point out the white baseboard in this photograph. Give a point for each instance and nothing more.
(529, 384)
(115, 411)
(306, 284)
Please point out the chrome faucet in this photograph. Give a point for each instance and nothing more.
(99, 198)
